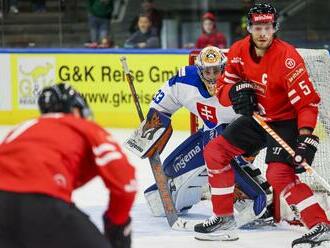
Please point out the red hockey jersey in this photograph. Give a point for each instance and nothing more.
(284, 90)
(58, 153)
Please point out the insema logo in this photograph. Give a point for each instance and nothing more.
(181, 161)
(33, 74)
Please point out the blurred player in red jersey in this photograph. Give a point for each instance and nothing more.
(266, 74)
(43, 160)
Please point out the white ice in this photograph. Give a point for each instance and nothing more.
(153, 232)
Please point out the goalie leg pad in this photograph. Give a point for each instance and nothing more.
(187, 156)
(186, 172)
(186, 190)
(151, 194)
(250, 186)
(189, 188)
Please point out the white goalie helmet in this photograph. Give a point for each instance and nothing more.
(210, 63)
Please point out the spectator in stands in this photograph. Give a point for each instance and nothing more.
(13, 7)
(145, 37)
(210, 35)
(99, 16)
(148, 7)
(39, 6)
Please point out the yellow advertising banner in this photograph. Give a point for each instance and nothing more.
(99, 78)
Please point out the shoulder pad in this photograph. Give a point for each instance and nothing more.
(185, 75)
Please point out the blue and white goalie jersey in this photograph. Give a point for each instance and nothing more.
(185, 167)
(186, 89)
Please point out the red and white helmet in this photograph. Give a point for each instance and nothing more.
(210, 63)
(263, 13)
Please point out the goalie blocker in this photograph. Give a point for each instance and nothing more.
(152, 135)
(188, 182)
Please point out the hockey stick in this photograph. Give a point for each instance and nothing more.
(309, 169)
(156, 167)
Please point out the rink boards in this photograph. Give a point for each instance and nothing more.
(97, 74)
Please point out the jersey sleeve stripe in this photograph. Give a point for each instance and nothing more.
(294, 100)
(21, 129)
(222, 191)
(232, 75)
(103, 148)
(131, 187)
(108, 157)
(292, 92)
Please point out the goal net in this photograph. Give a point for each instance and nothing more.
(318, 65)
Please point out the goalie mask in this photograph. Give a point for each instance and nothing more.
(210, 63)
(62, 98)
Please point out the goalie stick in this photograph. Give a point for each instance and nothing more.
(309, 169)
(156, 167)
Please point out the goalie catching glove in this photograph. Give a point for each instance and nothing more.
(305, 151)
(243, 98)
(152, 135)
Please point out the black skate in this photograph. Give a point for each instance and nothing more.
(318, 236)
(266, 220)
(217, 228)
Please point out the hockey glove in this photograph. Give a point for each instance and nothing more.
(305, 151)
(243, 98)
(118, 235)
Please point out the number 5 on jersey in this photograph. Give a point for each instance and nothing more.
(306, 90)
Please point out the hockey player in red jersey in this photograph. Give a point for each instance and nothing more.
(43, 160)
(267, 75)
